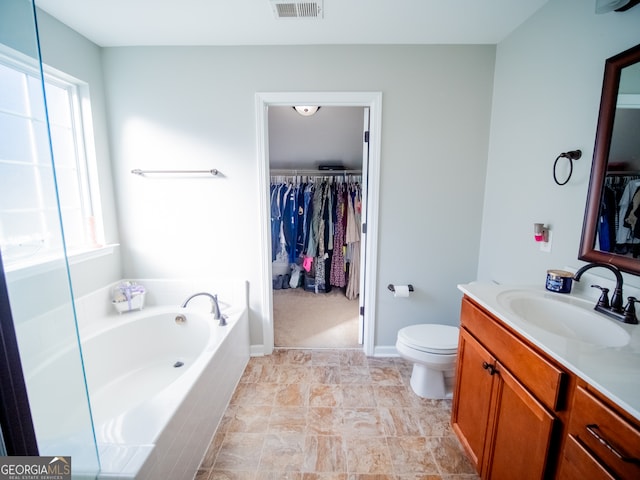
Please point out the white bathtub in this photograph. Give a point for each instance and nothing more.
(130, 366)
(152, 418)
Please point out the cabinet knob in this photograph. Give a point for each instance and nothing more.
(487, 366)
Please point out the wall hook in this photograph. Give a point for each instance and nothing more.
(571, 156)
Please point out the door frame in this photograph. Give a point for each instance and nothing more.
(372, 100)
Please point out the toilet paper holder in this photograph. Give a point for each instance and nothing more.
(392, 288)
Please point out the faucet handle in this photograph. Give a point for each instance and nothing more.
(630, 311)
(603, 301)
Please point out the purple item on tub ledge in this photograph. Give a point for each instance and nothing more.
(129, 290)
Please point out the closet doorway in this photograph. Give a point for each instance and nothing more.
(315, 165)
(319, 274)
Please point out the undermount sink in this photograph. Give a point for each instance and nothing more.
(566, 316)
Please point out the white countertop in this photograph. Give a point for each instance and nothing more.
(614, 371)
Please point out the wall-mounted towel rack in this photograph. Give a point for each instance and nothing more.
(137, 171)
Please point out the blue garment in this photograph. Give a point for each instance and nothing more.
(289, 221)
(284, 220)
(308, 215)
(300, 231)
(276, 220)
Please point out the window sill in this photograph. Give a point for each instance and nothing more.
(24, 270)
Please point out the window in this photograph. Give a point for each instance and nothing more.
(29, 220)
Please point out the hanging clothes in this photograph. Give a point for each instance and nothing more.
(337, 276)
(627, 207)
(315, 224)
(352, 239)
(276, 220)
(618, 226)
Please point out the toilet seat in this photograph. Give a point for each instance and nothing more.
(430, 338)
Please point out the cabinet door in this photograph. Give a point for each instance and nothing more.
(520, 432)
(472, 396)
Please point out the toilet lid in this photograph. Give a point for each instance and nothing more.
(442, 339)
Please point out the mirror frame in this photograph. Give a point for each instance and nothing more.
(612, 69)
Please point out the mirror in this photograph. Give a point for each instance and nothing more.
(610, 232)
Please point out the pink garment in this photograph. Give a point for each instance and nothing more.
(306, 263)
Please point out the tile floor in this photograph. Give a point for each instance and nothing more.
(332, 415)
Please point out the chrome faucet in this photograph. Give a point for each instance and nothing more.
(626, 314)
(215, 307)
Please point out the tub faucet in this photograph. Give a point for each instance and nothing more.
(615, 309)
(215, 307)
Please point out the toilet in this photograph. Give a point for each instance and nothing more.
(432, 349)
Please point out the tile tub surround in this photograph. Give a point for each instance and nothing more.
(332, 415)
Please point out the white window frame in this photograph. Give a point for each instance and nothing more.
(91, 212)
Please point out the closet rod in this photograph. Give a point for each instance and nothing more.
(313, 173)
(137, 171)
(622, 173)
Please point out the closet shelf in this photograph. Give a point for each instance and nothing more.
(313, 173)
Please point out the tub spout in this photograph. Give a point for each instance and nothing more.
(215, 307)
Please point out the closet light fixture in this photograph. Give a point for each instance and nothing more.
(606, 6)
(306, 110)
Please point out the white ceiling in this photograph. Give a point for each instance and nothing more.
(252, 22)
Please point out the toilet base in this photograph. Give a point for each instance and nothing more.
(430, 383)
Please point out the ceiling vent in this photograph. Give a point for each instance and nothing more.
(288, 9)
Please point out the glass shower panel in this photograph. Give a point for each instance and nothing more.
(40, 293)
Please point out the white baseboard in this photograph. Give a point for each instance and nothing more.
(257, 350)
(385, 351)
(382, 351)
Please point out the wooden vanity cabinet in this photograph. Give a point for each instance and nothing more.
(519, 415)
(472, 397)
(505, 429)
